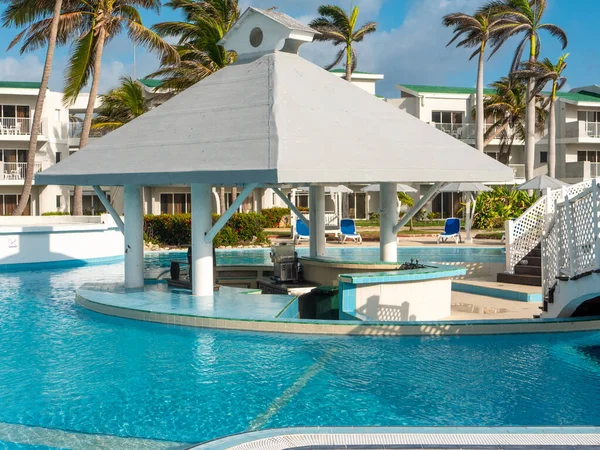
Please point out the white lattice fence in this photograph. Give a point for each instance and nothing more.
(525, 233)
(570, 245)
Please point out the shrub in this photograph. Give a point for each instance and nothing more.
(176, 230)
(496, 207)
(56, 213)
(374, 216)
(433, 215)
(274, 216)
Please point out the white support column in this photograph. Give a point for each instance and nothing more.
(202, 251)
(470, 209)
(316, 204)
(388, 242)
(134, 237)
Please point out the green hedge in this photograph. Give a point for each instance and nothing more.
(176, 230)
(56, 213)
(274, 216)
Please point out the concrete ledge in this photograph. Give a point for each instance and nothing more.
(499, 290)
(330, 327)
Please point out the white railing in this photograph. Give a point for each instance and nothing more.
(76, 127)
(518, 170)
(457, 130)
(525, 233)
(16, 126)
(571, 241)
(16, 170)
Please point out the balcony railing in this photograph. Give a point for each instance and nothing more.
(16, 126)
(457, 130)
(76, 127)
(16, 170)
(583, 129)
(518, 170)
(582, 170)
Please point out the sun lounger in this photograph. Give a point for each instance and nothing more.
(348, 231)
(301, 232)
(451, 231)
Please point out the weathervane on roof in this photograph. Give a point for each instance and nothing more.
(262, 31)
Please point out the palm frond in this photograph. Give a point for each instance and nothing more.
(79, 68)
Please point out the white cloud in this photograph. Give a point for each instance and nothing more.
(28, 68)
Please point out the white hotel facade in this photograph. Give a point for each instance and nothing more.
(447, 108)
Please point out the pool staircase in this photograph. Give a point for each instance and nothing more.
(571, 255)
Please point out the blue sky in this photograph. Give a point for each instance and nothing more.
(408, 48)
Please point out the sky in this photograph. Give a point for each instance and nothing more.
(408, 48)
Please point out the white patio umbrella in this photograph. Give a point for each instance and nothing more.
(401, 188)
(540, 183)
(469, 189)
(339, 189)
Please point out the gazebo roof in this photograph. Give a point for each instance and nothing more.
(274, 117)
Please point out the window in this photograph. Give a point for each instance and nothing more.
(91, 203)
(175, 203)
(543, 157)
(588, 116)
(58, 201)
(71, 152)
(449, 122)
(589, 155)
(13, 164)
(9, 202)
(15, 118)
(494, 155)
(58, 156)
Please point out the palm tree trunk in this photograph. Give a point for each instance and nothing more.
(349, 63)
(37, 114)
(89, 114)
(496, 133)
(552, 140)
(530, 120)
(480, 127)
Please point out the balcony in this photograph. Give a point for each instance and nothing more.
(580, 131)
(518, 171)
(17, 128)
(75, 129)
(14, 172)
(462, 131)
(580, 171)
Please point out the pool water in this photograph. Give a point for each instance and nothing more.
(364, 254)
(63, 367)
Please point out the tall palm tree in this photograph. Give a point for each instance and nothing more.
(508, 103)
(88, 26)
(199, 53)
(544, 72)
(19, 13)
(475, 32)
(337, 26)
(524, 16)
(120, 105)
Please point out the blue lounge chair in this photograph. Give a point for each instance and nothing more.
(451, 231)
(348, 231)
(301, 232)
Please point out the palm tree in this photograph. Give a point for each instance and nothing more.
(89, 25)
(544, 72)
(120, 105)
(199, 53)
(508, 103)
(336, 26)
(524, 16)
(475, 32)
(19, 13)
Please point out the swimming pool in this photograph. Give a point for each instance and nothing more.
(63, 367)
(365, 254)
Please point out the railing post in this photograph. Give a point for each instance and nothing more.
(596, 219)
(508, 240)
(569, 229)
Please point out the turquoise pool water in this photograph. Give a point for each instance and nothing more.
(63, 367)
(424, 254)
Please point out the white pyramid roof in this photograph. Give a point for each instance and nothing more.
(273, 117)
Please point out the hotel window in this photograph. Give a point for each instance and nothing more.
(588, 155)
(58, 156)
(175, 203)
(592, 122)
(450, 122)
(15, 118)
(494, 155)
(13, 164)
(8, 203)
(92, 205)
(543, 157)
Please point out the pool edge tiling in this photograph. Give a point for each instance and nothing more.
(409, 438)
(95, 300)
